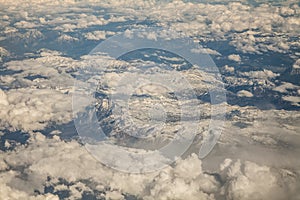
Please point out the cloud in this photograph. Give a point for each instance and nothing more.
(294, 99)
(51, 160)
(296, 65)
(66, 38)
(285, 87)
(38, 93)
(251, 29)
(206, 51)
(40, 106)
(46, 99)
(9, 30)
(229, 68)
(254, 182)
(25, 25)
(3, 98)
(234, 57)
(12, 193)
(40, 90)
(48, 71)
(3, 53)
(244, 93)
(98, 35)
(265, 74)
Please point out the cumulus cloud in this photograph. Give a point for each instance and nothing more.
(265, 74)
(253, 182)
(3, 53)
(40, 90)
(295, 100)
(296, 65)
(67, 38)
(82, 173)
(37, 93)
(244, 93)
(12, 193)
(40, 106)
(97, 35)
(234, 57)
(48, 71)
(284, 87)
(3, 98)
(206, 51)
(25, 24)
(229, 68)
(235, 21)
(180, 183)
(187, 178)
(9, 30)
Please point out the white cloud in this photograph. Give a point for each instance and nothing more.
(25, 24)
(114, 195)
(284, 87)
(229, 68)
(3, 98)
(296, 65)
(48, 71)
(234, 57)
(66, 27)
(295, 100)
(43, 99)
(206, 51)
(255, 182)
(9, 30)
(12, 193)
(66, 38)
(3, 53)
(128, 33)
(244, 93)
(34, 104)
(186, 179)
(206, 21)
(98, 35)
(265, 74)
(40, 106)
